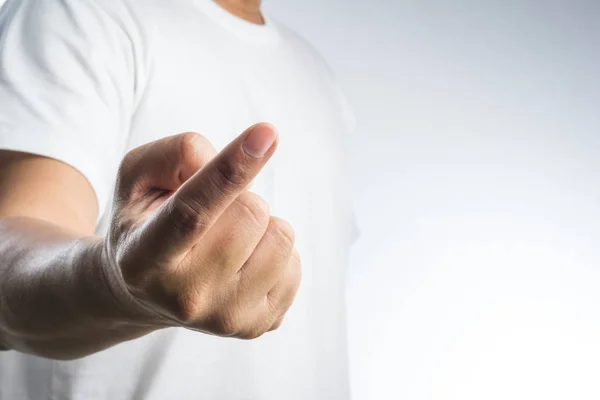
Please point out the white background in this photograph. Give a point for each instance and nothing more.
(477, 180)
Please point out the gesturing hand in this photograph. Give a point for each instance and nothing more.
(190, 246)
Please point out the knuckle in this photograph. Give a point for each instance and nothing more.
(190, 300)
(293, 280)
(281, 298)
(187, 148)
(282, 231)
(251, 334)
(185, 216)
(253, 208)
(296, 274)
(289, 296)
(226, 324)
(276, 325)
(295, 283)
(231, 176)
(185, 310)
(194, 149)
(188, 139)
(295, 258)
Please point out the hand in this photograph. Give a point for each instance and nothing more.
(190, 246)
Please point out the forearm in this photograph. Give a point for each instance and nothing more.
(56, 299)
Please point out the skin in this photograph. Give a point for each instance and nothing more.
(188, 246)
(245, 9)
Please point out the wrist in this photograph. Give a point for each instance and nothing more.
(115, 305)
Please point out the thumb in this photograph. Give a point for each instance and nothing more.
(162, 166)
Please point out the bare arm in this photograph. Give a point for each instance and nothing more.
(188, 246)
(54, 299)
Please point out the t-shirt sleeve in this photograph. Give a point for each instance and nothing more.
(66, 86)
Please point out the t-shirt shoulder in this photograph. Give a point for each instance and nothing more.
(302, 45)
(295, 39)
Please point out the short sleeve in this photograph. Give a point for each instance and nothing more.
(66, 86)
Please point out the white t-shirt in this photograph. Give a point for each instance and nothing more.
(84, 81)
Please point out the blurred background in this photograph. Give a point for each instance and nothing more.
(476, 165)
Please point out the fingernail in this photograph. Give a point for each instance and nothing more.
(260, 140)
